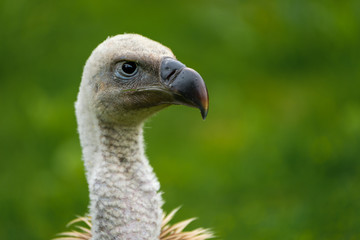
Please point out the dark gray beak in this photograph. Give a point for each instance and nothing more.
(186, 84)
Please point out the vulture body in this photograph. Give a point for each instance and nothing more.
(127, 79)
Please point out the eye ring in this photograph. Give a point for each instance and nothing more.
(126, 69)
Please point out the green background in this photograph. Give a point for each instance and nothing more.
(278, 156)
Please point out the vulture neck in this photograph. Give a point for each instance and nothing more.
(124, 198)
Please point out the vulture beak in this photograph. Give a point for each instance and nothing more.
(185, 84)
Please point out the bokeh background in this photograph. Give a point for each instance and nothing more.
(278, 155)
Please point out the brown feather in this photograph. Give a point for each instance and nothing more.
(82, 229)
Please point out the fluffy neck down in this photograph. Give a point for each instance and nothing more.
(125, 202)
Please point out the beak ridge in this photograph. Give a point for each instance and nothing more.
(186, 84)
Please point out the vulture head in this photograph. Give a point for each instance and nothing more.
(129, 77)
(126, 79)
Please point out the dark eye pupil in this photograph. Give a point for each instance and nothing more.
(126, 70)
(129, 67)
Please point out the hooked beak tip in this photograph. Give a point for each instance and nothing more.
(204, 106)
(204, 113)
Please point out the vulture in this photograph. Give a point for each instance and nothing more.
(126, 79)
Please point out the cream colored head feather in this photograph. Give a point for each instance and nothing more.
(126, 79)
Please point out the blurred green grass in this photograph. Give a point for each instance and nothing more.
(277, 157)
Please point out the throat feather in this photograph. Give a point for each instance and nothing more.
(125, 202)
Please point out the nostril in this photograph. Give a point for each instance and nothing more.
(170, 68)
(172, 73)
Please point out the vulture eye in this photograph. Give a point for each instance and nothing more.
(126, 69)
